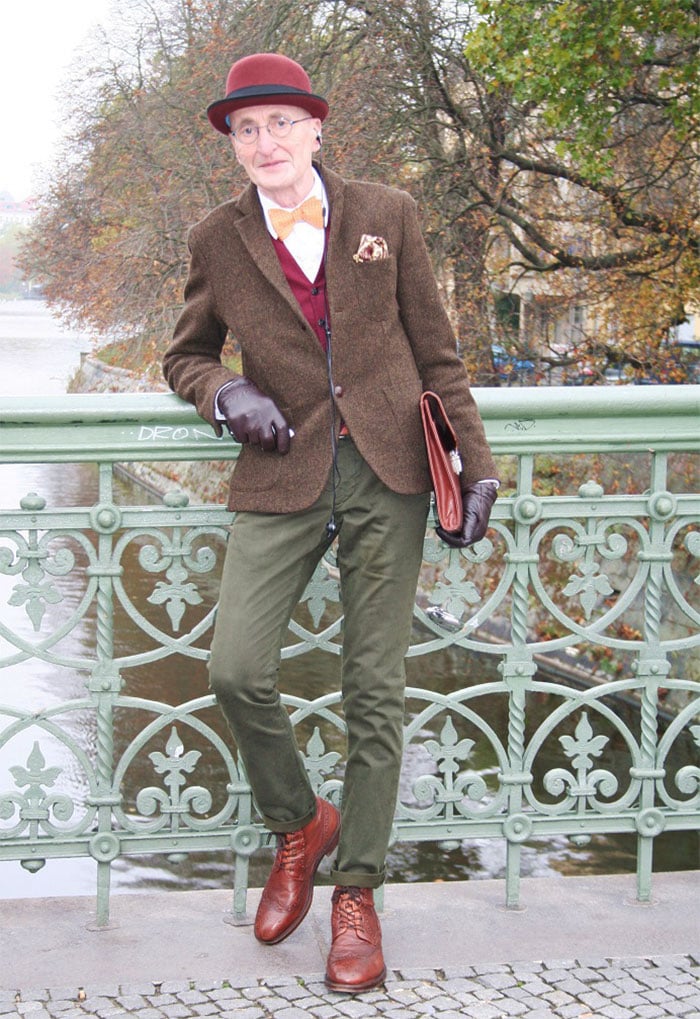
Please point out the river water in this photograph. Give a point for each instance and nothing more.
(37, 358)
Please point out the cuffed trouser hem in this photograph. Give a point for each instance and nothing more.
(346, 879)
(282, 827)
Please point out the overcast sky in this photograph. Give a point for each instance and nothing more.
(38, 40)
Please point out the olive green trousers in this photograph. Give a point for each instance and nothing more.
(269, 560)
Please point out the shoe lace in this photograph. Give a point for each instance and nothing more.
(290, 850)
(348, 902)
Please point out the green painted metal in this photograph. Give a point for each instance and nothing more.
(560, 579)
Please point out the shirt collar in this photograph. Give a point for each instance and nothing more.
(317, 191)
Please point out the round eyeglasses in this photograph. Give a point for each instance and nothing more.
(278, 127)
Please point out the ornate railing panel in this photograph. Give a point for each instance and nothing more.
(585, 598)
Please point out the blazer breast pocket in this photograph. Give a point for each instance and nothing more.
(375, 288)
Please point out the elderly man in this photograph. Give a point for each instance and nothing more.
(327, 287)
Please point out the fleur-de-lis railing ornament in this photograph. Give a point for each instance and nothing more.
(454, 592)
(589, 584)
(36, 564)
(178, 802)
(176, 595)
(586, 782)
(35, 806)
(317, 761)
(448, 790)
(323, 587)
(589, 587)
(178, 559)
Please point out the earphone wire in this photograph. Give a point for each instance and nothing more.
(331, 526)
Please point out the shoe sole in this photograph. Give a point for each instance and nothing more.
(368, 985)
(327, 850)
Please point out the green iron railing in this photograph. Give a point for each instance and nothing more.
(598, 575)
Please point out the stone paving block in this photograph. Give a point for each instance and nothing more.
(558, 998)
(480, 970)
(356, 1008)
(605, 988)
(584, 973)
(484, 1011)
(242, 1013)
(291, 992)
(458, 972)
(160, 1000)
(324, 1012)
(535, 987)
(498, 980)
(192, 997)
(657, 997)
(630, 1000)
(526, 967)
(458, 985)
(649, 1012)
(689, 991)
(292, 1012)
(572, 986)
(132, 1002)
(509, 1006)
(146, 1013)
(208, 1008)
(593, 1000)
(681, 1008)
(615, 1012)
(224, 993)
(177, 1011)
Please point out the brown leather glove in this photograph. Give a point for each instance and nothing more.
(477, 500)
(253, 417)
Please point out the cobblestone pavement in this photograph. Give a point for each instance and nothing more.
(584, 988)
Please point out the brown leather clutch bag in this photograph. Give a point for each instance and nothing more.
(444, 461)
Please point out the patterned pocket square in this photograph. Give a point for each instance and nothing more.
(371, 249)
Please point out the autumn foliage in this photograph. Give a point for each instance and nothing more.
(584, 195)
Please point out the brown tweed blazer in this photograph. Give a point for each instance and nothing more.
(391, 339)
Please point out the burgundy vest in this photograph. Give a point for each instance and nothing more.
(311, 296)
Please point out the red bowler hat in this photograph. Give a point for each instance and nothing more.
(265, 78)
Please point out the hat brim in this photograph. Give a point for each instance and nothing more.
(258, 95)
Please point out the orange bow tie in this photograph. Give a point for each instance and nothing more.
(283, 220)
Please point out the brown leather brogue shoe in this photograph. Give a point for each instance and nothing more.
(286, 898)
(355, 961)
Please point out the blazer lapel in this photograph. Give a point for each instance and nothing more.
(255, 236)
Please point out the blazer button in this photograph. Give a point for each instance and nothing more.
(338, 390)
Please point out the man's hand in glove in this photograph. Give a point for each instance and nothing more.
(253, 417)
(477, 501)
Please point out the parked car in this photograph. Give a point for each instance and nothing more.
(512, 368)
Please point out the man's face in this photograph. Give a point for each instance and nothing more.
(280, 167)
